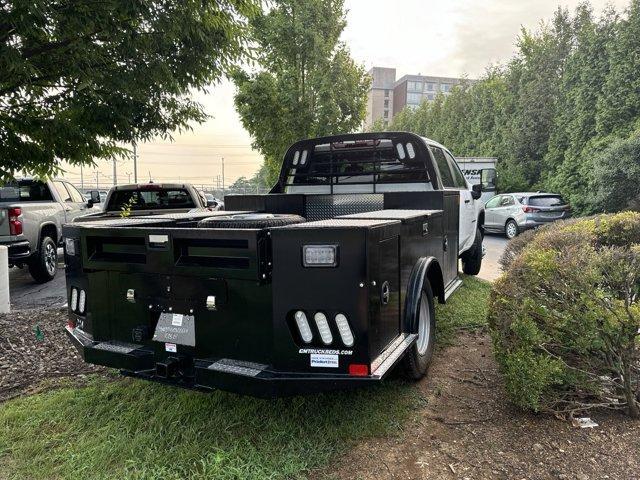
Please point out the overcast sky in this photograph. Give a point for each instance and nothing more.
(448, 38)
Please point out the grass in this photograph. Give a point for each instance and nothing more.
(132, 429)
(465, 309)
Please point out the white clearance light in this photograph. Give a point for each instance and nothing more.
(82, 301)
(70, 246)
(323, 328)
(303, 326)
(344, 329)
(320, 255)
(74, 299)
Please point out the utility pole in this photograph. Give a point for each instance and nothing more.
(150, 181)
(81, 179)
(97, 180)
(223, 176)
(135, 162)
(128, 174)
(115, 175)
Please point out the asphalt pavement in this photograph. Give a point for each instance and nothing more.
(25, 293)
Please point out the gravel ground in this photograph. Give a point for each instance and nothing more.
(26, 361)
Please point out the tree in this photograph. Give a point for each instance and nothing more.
(78, 78)
(306, 83)
(617, 171)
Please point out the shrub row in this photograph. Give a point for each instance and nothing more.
(565, 316)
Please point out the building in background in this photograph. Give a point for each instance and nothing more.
(388, 96)
(380, 100)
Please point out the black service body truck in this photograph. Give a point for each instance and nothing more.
(327, 282)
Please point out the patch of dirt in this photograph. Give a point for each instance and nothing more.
(29, 360)
(465, 428)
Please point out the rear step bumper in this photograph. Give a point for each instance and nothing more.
(226, 374)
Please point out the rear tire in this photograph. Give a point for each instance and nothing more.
(511, 229)
(472, 258)
(417, 360)
(44, 265)
(251, 220)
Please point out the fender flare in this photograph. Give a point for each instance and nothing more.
(424, 268)
(48, 224)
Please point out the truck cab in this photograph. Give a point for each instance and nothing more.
(327, 282)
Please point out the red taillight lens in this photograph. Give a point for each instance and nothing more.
(15, 225)
(528, 209)
(358, 370)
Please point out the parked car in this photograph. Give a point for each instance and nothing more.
(327, 282)
(512, 213)
(148, 199)
(32, 213)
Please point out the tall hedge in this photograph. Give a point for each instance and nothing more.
(551, 113)
(565, 317)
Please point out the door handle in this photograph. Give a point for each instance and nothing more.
(467, 201)
(67, 209)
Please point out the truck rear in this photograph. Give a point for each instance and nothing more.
(290, 292)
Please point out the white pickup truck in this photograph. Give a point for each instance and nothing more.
(32, 213)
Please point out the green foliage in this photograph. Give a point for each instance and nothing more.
(565, 100)
(306, 85)
(617, 169)
(565, 317)
(78, 78)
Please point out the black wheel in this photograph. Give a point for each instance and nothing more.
(472, 258)
(44, 265)
(418, 358)
(511, 229)
(251, 220)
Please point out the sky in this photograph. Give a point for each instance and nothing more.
(451, 38)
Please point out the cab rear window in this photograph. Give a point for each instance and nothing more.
(151, 199)
(546, 201)
(25, 191)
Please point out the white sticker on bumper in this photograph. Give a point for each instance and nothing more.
(171, 347)
(326, 361)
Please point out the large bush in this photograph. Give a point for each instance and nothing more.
(565, 317)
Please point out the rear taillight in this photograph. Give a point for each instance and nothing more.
(528, 209)
(358, 370)
(15, 224)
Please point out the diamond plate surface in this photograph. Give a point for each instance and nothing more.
(322, 207)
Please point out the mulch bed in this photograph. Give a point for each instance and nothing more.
(27, 359)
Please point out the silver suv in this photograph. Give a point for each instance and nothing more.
(512, 213)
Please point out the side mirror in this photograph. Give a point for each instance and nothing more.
(488, 179)
(95, 196)
(212, 203)
(476, 191)
(90, 203)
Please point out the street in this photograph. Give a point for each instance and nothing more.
(25, 293)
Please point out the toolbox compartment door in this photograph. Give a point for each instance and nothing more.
(385, 294)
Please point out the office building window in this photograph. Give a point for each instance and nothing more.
(386, 114)
(414, 98)
(414, 86)
(445, 87)
(386, 104)
(386, 94)
(429, 87)
(386, 123)
(430, 96)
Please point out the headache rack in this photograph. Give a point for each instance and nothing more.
(359, 159)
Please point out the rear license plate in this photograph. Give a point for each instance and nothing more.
(175, 328)
(551, 214)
